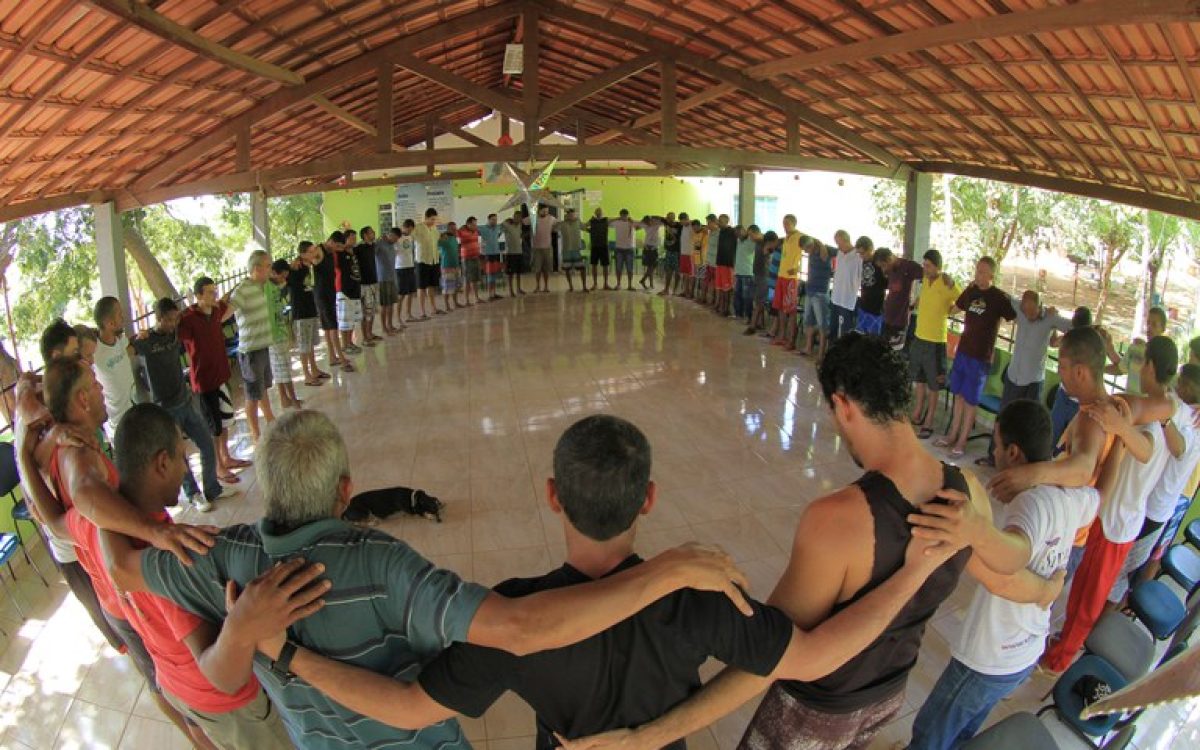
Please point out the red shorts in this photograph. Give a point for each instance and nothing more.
(685, 265)
(724, 278)
(785, 296)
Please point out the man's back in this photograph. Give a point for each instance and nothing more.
(882, 669)
(622, 677)
(389, 611)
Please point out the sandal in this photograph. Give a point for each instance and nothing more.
(925, 433)
(321, 374)
(942, 443)
(348, 367)
(985, 461)
(229, 478)
(957, 453)
(314, 383)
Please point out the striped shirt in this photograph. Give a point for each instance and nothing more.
(253, 312)
(390, 611)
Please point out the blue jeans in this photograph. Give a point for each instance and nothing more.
(958, 705)
(841, 322)
(196, 429)
(743, 296)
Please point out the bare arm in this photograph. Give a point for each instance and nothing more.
(384, 699)
(1176, 443)
(42, 503)
(810, 656)
(85, 477)
(967, 521)
(1116, 417)
(560, 617)
(1022, 587)
(1075, 469)
(286, 592)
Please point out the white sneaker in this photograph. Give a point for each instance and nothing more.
(200, 504)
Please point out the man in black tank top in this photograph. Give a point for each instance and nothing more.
(847, 544)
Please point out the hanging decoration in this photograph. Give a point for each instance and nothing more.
(531, 192)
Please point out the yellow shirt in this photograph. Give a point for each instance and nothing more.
(699, 243)
(793, 253)
(933, 307)
(426, 238)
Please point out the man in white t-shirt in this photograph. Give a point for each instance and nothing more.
(1005, 629)
(113, 364)
(847, 278)
(1183, 442)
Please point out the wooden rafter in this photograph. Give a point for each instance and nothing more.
(359, 66)
(727, 75)
(595, 84)
(144, 17)
(1097, 13)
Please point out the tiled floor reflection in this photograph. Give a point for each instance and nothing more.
(468, 407)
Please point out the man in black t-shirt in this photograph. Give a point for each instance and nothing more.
(301, 284)
(639, 668)
(873, 287)
(349, 292)
(670, 262)
(325, 296)
(364, 253)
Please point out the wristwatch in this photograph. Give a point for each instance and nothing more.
(282, 667)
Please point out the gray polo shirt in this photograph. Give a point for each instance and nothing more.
(1028, 363)
(390, 611)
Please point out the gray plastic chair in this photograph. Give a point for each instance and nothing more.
(1021, 730)
(1123, 643)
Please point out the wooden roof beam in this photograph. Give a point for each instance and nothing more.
(462, 86)
(1097, 13)
(1154, 202)
(737, 79)
(146, 18)
(289, 97)
(596, 84)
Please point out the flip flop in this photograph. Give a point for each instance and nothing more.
(323, 375)
(984, 461)
(924, 433)
(229, 478)
(348, 368)
(314, 383)
(942, 443)
(957, 453)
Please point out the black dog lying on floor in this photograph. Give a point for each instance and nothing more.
(384, 502)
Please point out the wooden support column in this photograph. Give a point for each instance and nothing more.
(260, 220)
(580, 135)
(918, 211)
(793, 133)
(110, 256)
(243, 149)
(383, 108)
(669, 103)
(430, 136)
(529, 77)
(747, 180)
(505, 126)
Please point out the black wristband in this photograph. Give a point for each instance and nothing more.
(282, 667)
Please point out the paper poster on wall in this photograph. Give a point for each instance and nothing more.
(593, 197)
(440, 197)
(410, 202)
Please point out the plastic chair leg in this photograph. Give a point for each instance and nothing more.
(11, 593)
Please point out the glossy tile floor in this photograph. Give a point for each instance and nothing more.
(468, 407)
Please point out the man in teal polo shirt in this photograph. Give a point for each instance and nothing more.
(389, 610)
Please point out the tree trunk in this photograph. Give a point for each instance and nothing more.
(8, 376)
(152, 271)
(1106, 264)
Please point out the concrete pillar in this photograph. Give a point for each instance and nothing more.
(918, 210)
(746, 192)
(110, 255)
(260, 221)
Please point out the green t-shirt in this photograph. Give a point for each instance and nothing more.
(390, 611)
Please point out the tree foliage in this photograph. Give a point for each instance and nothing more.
(293, 218)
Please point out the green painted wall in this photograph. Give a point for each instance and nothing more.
(641, 195)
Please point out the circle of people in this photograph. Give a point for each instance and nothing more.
(305, 629)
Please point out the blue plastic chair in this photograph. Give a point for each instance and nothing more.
(1068, 705)
(1191, 533)
(9, 544)
(10, 478)
(1158, 608)
(1182, 563)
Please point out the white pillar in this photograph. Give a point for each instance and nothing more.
(260, 220)
(110, 255)
(747, 181)
(918, 210)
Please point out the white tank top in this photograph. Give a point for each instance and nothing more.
(1122, 514)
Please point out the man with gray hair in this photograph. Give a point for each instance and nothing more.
(389, 609)
(254, 302)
